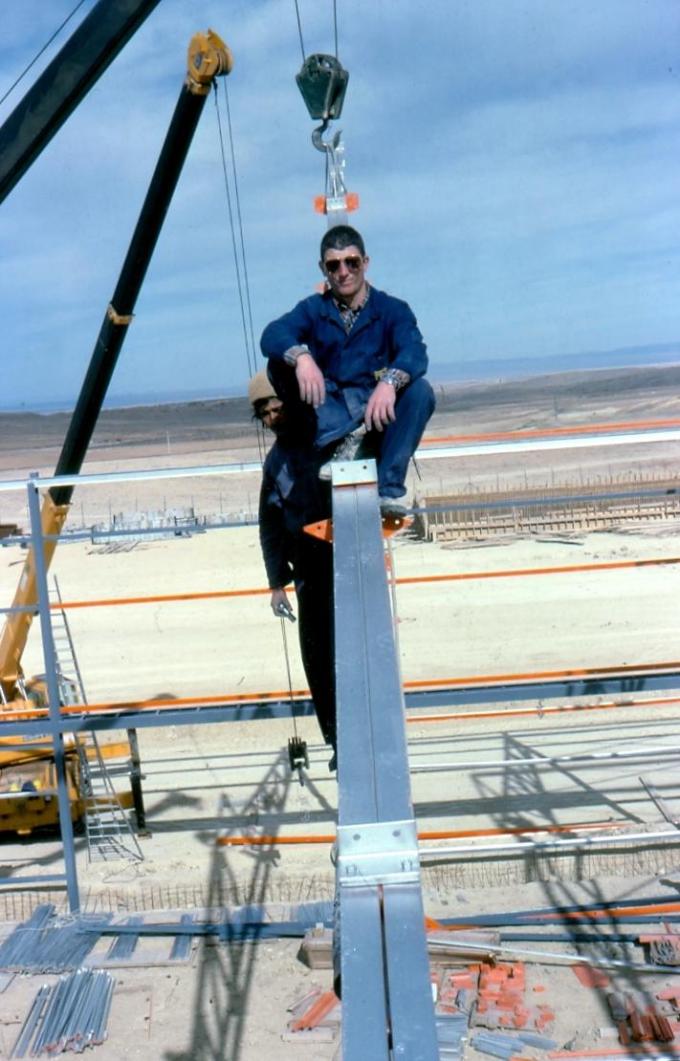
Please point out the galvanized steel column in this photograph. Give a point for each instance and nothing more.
(54, 717)
(386, 993)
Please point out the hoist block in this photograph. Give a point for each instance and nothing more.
(323, 82)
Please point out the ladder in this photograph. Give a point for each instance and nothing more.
(107, 826)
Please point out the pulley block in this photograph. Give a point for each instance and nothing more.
(323, 82)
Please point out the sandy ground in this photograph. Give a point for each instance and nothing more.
(468, 626)
(232, 778)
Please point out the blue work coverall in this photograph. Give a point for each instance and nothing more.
(291, 496)
(384, 335)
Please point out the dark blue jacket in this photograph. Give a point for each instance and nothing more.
(385, 335)
(291, 495)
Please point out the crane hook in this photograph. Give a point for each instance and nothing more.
(326, 145)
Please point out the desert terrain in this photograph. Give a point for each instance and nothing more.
(615, 602)
(222, 432)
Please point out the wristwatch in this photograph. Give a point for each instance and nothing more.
(294, 352)
(396, 377)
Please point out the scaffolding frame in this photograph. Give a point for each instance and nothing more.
(383, 953)
(58, 723)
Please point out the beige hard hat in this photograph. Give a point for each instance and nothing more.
(260, 389)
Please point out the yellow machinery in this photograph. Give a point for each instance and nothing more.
(28, 787)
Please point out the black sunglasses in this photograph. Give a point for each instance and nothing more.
(353, 263)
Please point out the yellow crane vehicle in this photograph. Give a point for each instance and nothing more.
(28, 786)
(27, 770)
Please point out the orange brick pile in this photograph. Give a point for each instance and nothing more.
(494, 994)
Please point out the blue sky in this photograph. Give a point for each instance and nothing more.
(516, 161)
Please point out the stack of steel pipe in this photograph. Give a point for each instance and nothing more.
(19, 943)
(70, 1015)
(505, 1046)
(47, 944)
(452, 1035)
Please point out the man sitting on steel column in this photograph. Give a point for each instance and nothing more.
(355, 356)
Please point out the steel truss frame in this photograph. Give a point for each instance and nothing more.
(57, 723)
(427, 699)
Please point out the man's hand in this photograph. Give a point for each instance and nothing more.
(279, 603)
(380, 408)
(310, 380)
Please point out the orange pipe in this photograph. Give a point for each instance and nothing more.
(317, 1011)
(512, 679)
(185, 701)
(615, 911)
(445, 834)
(460, 716)
(550, 432)
(158, 598)
(404, 581)
(143, 705)
(273, 696)
(523, 571)
(555, 915)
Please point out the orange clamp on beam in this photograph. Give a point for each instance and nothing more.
(323, 530)
(351, 203)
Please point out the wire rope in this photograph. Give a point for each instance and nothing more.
(299, 24)
(241, 273)
(237, 264)
(335, 25)
(237, 199)
(290, 680)
(44, 48)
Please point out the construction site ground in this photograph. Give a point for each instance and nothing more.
(231, 780)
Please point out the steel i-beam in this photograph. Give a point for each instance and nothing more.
(386, 993)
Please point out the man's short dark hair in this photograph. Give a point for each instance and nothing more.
(341, 236)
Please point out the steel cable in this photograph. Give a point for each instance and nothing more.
(44, 48)
(237, 200)
(299, 25)
(239, 265)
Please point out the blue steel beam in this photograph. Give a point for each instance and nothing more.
(421, 700)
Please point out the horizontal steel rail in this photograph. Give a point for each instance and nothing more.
(610, 428)
(596, 758)
(121, 716)
(546, 445)
(425, 452)
(142, 475)
(584, 843)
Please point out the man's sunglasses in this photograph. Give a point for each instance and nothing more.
(353, 263)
